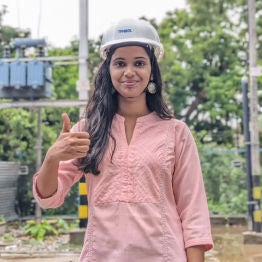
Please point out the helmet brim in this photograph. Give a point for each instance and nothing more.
(158, 48)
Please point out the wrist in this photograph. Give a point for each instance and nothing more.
(195, 254)
(51, 159)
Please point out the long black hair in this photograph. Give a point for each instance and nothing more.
(103, 105)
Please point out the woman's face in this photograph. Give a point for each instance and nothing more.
(130, 70)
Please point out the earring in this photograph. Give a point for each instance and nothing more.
(151, 87)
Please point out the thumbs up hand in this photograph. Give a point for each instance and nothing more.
(69, 145)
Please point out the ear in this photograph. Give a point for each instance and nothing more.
(151, 77)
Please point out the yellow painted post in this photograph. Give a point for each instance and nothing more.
(83, 203)
(257, 213)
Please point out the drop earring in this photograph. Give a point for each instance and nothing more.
(151, 87)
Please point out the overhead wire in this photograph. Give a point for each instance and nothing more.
(39, 18)
(18, 14)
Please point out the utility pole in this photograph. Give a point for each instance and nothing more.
(83, 88)
(254, 128)
(250, 206)
(38, 211)
(83, 81)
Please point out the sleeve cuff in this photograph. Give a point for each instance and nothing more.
(207, 243)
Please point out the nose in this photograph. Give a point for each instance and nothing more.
(129, 71)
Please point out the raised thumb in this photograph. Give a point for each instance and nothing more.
(66, 123)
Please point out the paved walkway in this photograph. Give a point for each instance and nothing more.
(38, 257)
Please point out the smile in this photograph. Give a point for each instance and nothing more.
(129, 83)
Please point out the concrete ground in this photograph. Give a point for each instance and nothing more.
(38, 257)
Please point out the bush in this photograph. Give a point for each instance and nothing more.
(39, 231)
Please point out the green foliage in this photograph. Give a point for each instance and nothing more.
(69, 207)
(7, 33)
(17, 143)
(54, 226)
(202, 66)
(65, 76)
(8, 237)
(62, 225)
(226, 185)
(17, 134)
(40, 231)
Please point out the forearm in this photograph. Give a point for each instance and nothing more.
(195, 254)
(47, 180)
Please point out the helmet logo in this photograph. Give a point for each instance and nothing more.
(123, 31)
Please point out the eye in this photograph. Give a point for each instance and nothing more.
(119, 64)
(140, 63)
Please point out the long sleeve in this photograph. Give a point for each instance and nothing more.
(189, 192)
(68, 175)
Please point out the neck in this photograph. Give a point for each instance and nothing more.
(132, 110)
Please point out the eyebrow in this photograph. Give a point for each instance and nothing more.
(135, 58)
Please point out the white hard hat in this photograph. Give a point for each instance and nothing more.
(131, 31)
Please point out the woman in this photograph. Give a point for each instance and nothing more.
(146, 194)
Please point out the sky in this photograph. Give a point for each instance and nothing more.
(58, 20)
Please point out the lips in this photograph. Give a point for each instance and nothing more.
(129, 83)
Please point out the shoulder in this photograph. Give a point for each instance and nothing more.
(178, 130)
(176, 125)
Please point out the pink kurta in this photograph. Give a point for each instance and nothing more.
(148, 204)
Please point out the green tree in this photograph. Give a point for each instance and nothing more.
(226, 185)
(7, 33)
(202, 67)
